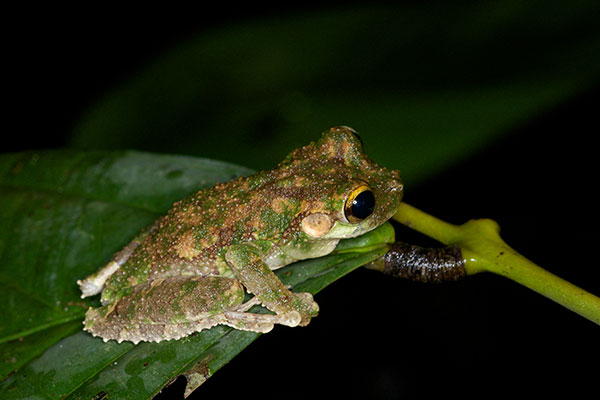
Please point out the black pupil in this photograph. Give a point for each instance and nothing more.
(363, 204)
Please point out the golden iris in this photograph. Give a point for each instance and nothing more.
(360, 204)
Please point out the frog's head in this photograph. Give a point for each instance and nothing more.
(345, 193)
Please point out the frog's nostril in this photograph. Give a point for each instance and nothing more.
(395, 186)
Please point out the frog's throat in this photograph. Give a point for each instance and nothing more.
(342, 230)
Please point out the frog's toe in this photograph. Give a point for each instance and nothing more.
(88, 288)
(262, 327)
(290, 318)
(307, 306)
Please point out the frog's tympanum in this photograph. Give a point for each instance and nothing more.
(190, 270)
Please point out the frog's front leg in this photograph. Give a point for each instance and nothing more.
(246, 260)
(174, 307)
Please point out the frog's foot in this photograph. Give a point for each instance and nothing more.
(305, 304)
(255, 301)
(94, 283)
(261, 323)
(304, 307)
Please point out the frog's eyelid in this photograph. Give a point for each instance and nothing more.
(356, 135)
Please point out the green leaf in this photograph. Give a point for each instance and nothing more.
(65, 213)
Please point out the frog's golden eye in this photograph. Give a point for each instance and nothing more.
(360, 204)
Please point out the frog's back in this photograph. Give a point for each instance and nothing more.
(192, 237)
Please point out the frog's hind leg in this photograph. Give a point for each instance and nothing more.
(263, 323)
(175, 307)
(241, 319)
(94, 283)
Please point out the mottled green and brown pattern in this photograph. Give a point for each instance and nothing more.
(239, 231)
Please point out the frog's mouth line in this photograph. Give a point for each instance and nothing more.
(341, 230)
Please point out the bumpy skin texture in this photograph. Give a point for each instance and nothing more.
(239, 232)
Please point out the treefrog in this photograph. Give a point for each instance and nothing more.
(190, 270)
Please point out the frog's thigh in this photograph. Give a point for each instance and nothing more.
(166, 309)
(262, 323)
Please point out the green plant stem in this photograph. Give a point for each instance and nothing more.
(484, 251)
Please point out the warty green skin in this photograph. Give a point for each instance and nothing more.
(188, 271)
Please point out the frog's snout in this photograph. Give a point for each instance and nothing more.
(394, 191)
(395, 185)
(393, 181)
